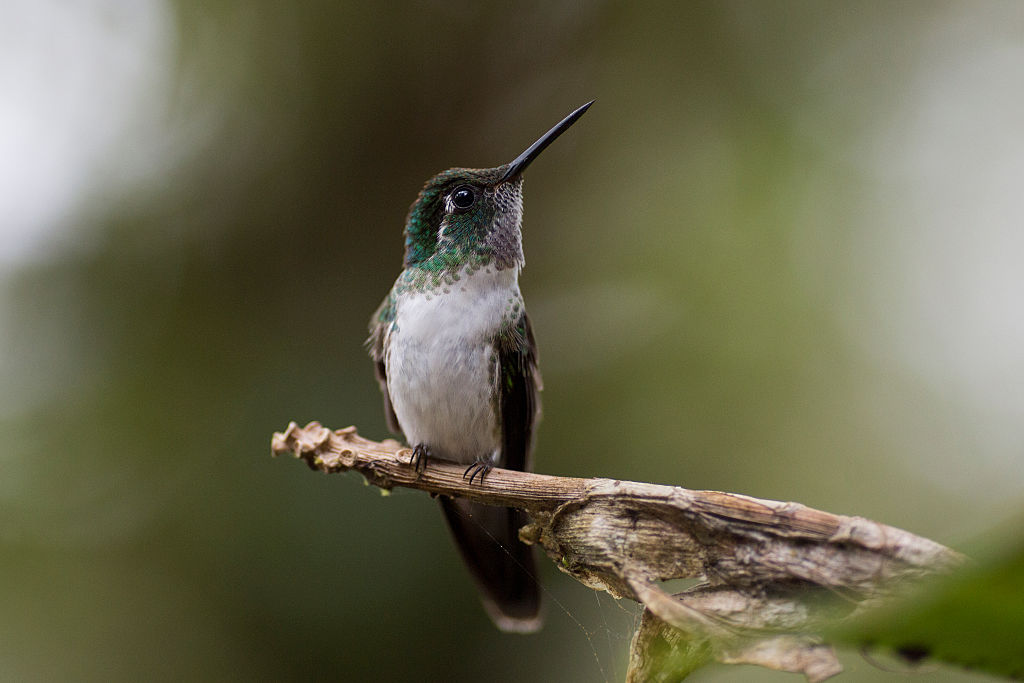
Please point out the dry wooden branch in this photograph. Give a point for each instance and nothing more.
(774, 574)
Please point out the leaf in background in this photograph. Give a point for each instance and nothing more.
(974, 619)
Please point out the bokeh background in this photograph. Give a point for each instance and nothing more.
(781, 255)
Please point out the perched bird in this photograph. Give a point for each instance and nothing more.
(457, 363)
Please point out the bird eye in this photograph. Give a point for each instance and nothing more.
(463, 198)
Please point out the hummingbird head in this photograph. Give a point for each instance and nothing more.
(474, 214)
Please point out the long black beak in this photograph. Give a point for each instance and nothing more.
(520, 163)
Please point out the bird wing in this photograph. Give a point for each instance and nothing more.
(379, 324)
(519, 400)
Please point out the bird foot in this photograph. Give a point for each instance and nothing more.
(480, 467)
(420, 455)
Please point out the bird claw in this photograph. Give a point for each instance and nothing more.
(420, 455)
(480, 467)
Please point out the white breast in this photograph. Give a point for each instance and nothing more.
(441, 365)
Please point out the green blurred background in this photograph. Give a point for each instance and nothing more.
(781, 255)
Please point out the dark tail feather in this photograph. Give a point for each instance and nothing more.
(488, 540)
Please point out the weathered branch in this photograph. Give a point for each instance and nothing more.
(774, 574)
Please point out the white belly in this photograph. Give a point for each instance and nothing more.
(442, 368)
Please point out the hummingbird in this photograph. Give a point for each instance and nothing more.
(456, 360)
